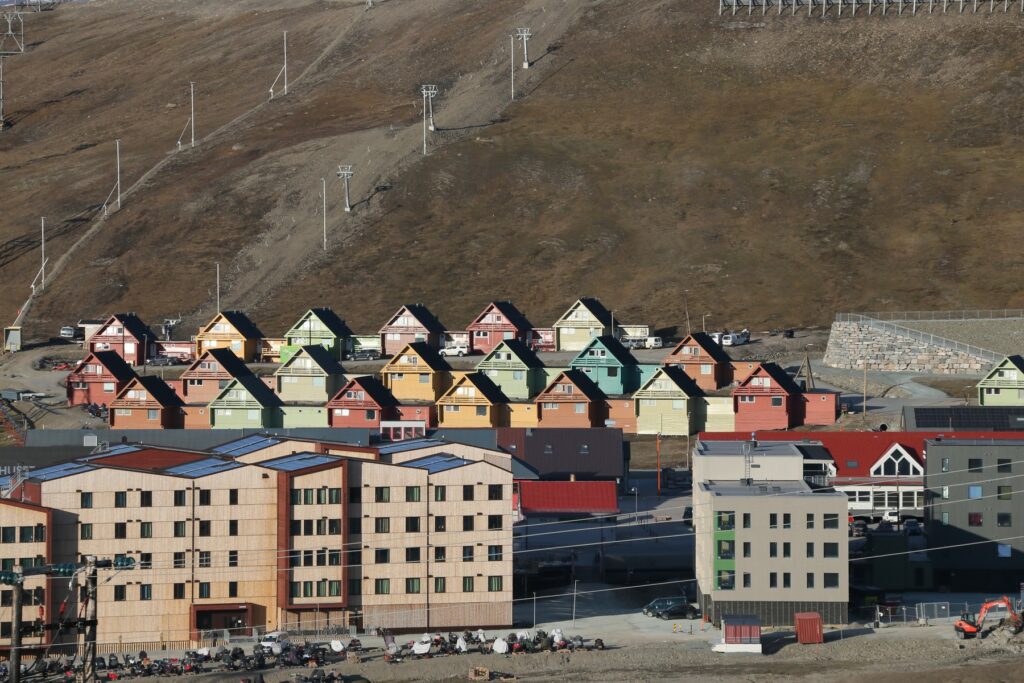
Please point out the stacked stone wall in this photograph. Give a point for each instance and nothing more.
(851, 344)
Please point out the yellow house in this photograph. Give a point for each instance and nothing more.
(473, 401)
(231, 330)
(523, 414)
(417, 373)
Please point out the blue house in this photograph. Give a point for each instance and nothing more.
(609, 365)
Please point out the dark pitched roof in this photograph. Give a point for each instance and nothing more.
(486, 387)
(376, 390)
(259, 391)
(709, 345)
(423, 315)
(597, 309)
(614, 346)
(583, 383)
(227, 359)
(523, 352)
(160, 391)
(134, 325)
(324, 359)
(511, 313)
(681, 379)
(240, 321)
(333, 322)
(782, 378)
(430, 356)
(121, 371)
(557, 453)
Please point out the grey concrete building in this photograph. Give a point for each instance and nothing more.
(771, 548)
(975, 513)
(763, 461)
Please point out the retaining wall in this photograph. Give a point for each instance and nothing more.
(850, 344)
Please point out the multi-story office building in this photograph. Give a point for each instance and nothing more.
(279, 533)
(25, 540)
(770, 548)
(975, 512)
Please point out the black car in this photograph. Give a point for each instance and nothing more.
(162, 360)
(680, 611)
(364, 354)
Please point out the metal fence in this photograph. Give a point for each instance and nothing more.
(912, 316)
(883, 7)
(926, 612)
(987, 355)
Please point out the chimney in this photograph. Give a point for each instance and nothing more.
(572, 477)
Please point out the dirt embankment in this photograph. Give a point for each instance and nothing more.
(776, 170)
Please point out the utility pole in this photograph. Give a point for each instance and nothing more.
(118, 142)
(3, 121)
(865, 404)
(218, 288)
(512, 63)
(89, 646)
(345, 172)
(16, 625)
(323, 197)
(524, 35)
(286, 62)
(686, 305)
(42, 255)
(192, 116)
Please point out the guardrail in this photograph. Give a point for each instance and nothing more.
(934, 340)
(924, 316)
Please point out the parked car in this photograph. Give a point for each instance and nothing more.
(859, 528)
(455, 350)
(688, 515)
(364, 354)
(736, 338)
(659, 604)
(683, 610)
(162, 360)
(884, 526)
(278, 638)
(912, 527)
(891, 516)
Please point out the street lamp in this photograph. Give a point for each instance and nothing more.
(574, 584)
(636, 505)
(703, 327)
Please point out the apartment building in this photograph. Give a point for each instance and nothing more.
(771, 548)
(974, 513)
(25, 540)
(273, 533)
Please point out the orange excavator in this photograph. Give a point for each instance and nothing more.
(968, 627)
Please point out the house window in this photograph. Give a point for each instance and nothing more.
(831, 550)
(831, 520)
(145, 592)
(493, 522)
(975, 519)
(179, 591)
(145, 529)
(974, 465)
(747, 399)
(179, 560)
(467, 522)
(1003, 550)
(146, 499)
(119, 593)
(467, 584)
(179, 498)
(705, 368)
(412, 585)
(204, 559)
(382, 494)
(85, 532)
(1004, 465)
(494, 584)
(974, 491)
(481, 411)
(746, 520)
(439, 523)
(776, 401)
(494, 553)
(831, 580)
(1004, 519)
(494, 492)
(120, 499)
(424, 378)
(440, 554)
(810, 579)
(382, 525)
(85, 500)
(467, 553)
(810, 549)
(773, 580)
(412, 525)
(412, 494)
(120, 530)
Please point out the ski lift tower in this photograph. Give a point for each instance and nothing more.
(12, 42)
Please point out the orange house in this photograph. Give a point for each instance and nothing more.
(203, 381)
(146, 403)
(362, 402)
(98, 379)
(417, 373)
(704, 361)
(821, 407)
(571, 400)
(473, 401)
(621, 413)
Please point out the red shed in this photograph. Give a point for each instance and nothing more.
(498, 322)
(808, 628)
(567, 498)
(126, 335)
(362, 402)
(741, 629)
(767, 399)
(821, 407)
(418, 411)
(98, 379)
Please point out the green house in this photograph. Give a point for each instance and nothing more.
(669, 403)
(319, 326)
(1004, 384)
(303, 415)
(246, 402)
(311, 375)
(609, 365)
(514, 368)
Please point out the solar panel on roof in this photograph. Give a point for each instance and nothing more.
(202, 468)
(245, 445)
(116, 450)
(60, 471)
(414, 444)
(298, 461)
(439, 462)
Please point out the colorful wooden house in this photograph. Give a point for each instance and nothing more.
(703, 360)
(499, 321)
(719, 414)
(585, 320)
(126, 335)
(410, 324)
(768, 399)
(1004, 384)
(523, 414)
(667, 403)
(473, 401)
(246, 402)
(146, 403)
(362, 402)
(742, 369)
(319, 326)
(820, 407)
(417, 372)
(98, 379)
(514, 368)
(571, 400)
(312, 374)
(620, 413)
(609, 365)
(231, 330)
(207, 376)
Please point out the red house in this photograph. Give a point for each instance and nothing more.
(207, 376)
(821, 407)
(98, 379)
(571, 400)
(363, 402)
(411, 323)
(416, 412)
(499, 321)
(768, 399)
(703, 361)
(146, 403)
(126, 335)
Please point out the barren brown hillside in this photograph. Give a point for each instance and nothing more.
(779, 169)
